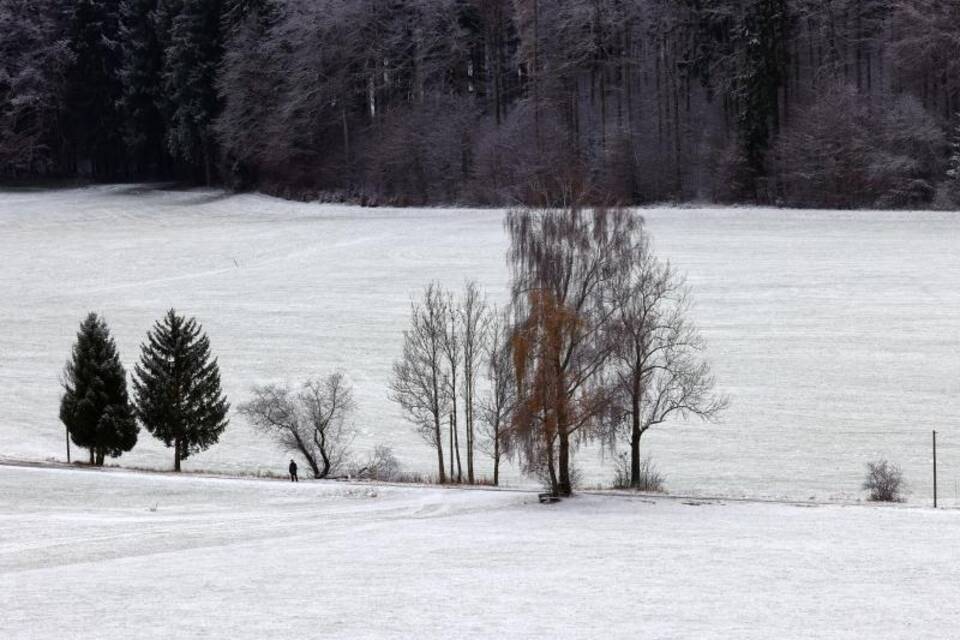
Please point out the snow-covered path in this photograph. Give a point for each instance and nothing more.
(83, 556)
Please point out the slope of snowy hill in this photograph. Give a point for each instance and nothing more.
(836, 334)
(114, 555)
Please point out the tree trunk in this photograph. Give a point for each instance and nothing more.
(92, 460)
(456, 446)
(312, 463)
(320, 440)
(207, 163)
(564, 486)
(346, 131)
(468, 416)
(439, 438)
(635, 434)
(453, 471)
(496, 456)
(552, 469)
(176, 455)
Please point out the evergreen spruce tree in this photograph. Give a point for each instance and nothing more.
(761, 72)
(192, 54)
(177, 387)
(94, 90)
(95, 407)
(140, 71)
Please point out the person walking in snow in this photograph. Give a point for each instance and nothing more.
(293, 472)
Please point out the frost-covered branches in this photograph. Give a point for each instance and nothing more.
(313, 420)
(658, 360)
(421, 380)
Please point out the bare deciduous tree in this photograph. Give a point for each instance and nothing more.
(474, 318)
(452, 345)
(421, 382)
(313, 421)
(658, 362)
(496, 406)
(564, 264)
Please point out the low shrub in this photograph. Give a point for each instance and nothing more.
(884, 481)
(650, 480)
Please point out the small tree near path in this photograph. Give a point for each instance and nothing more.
(313, 421)
(95, 407)
(177, 387)
(658, 362)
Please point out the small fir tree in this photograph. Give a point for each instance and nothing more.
(95, 406)
(177, 387)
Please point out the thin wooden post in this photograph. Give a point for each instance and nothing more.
(934, 468)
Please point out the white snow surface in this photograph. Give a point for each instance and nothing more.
(835, 334)
(113, 555)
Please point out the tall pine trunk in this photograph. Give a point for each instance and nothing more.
(176, 455)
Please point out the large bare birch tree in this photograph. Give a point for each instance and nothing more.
(564, 266)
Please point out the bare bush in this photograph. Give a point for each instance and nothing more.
(884, 481)
(381, 465)
(649, 479)
(312, 421)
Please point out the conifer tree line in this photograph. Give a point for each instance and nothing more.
(177, 394)
(847, 103)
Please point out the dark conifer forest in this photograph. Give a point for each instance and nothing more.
(818, 103)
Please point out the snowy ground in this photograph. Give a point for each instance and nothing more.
(82, 555)
(836, 334)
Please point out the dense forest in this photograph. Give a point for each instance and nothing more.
(839, 103)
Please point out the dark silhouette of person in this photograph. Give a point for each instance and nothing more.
(293, 472)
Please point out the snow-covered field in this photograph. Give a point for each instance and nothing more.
(836, 334)
(84, 555)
